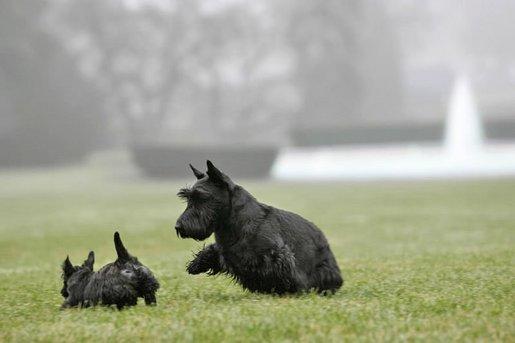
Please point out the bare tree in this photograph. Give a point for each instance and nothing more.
(52, 113)
(182, 65)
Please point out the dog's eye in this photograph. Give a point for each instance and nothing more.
(127, 272)
(184, 193)
(200, 196)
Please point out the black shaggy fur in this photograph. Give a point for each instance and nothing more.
(119, 283)
(263, 248)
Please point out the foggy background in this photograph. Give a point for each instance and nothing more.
(169, 82)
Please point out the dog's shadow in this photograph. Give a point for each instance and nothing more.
(247, 296)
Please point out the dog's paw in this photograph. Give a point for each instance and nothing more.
(196, 267)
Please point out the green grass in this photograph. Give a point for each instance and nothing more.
(430, 261)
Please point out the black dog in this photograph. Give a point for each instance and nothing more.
(263, 248)
(119, 283)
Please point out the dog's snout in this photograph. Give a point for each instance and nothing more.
(178, 225)
(178, 228)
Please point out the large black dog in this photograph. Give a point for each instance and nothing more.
(263, 248)
(120, 283)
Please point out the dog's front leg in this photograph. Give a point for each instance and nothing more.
(150, 299)
(65, 305)
(207, 260)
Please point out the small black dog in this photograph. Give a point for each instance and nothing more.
(119, 283)
(263, 248)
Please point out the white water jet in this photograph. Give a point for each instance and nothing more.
(463, 130)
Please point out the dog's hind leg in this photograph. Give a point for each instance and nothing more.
(208, 260)
(272, 271)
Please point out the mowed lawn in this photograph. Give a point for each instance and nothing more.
(422, 261)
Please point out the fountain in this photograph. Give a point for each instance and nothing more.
(463, 153)
(463, 130)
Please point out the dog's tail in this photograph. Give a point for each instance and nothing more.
(123, 254)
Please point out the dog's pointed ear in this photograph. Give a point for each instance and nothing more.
(198, 174)
(90, 261)
(68, 268)
(122, 253)
(216, 175)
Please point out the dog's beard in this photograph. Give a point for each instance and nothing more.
(196, 234)
(147, 283)
(197, 227)
(64, 290)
